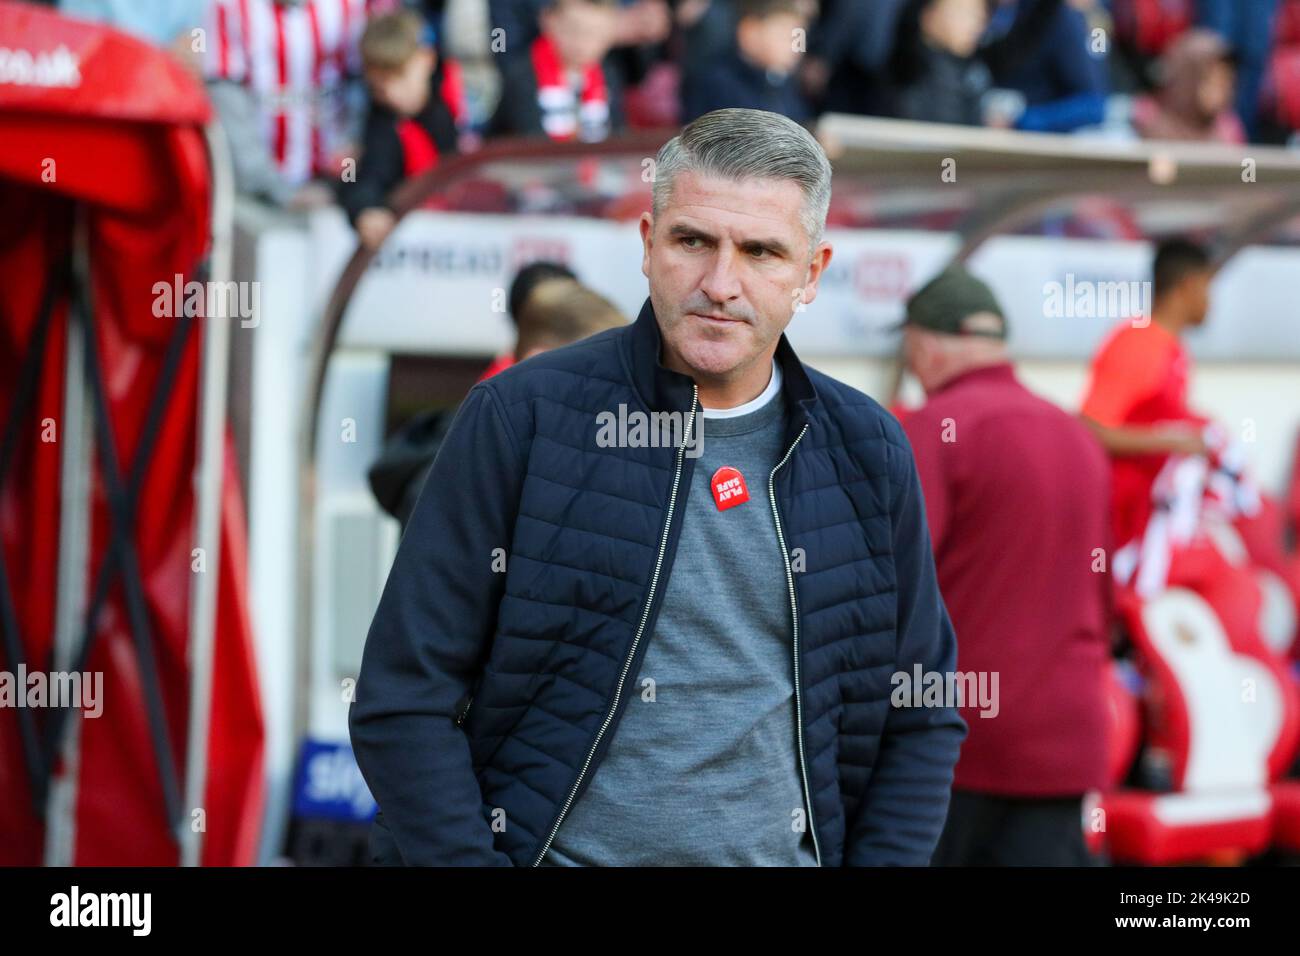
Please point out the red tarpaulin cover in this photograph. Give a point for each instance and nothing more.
(94, 119)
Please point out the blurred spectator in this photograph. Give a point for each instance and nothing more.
(651, 70)
(465, 35)
(527, 281)
(708, 28)
(284, 75)
(937, 76)
(848, 54)
(1149, 26)
(1247, 28)
(639, 27)
(995, 459)
(1196, 93)
(562, 88)
(410, 124)
(433, 10)
(560, 312)
(1279, 115)
(517, 23)
(636, 22)
(640, 30)
(1136, 400)
(1143, 29)
(706, 34)
(1043, 50)
(757, 72)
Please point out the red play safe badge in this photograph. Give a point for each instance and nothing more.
(729, 488)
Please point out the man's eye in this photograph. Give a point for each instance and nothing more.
(760, 252)
(690, 242)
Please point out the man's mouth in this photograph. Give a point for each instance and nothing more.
(719, 319)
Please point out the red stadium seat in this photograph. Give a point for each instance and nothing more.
(1258, 546)
(1224, 720)
(1123, 708)
(1124, 736)
(1255, 546)
(1286, 27)
(1286, 815)
(1281, 94)
(1149, 26)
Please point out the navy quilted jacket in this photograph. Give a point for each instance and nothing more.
(521, 601)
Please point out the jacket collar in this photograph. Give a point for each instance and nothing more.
(662, 389)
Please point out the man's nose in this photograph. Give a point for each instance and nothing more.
(721, 283)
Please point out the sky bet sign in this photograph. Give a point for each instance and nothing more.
(329, 785)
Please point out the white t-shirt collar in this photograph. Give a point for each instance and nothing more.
(754, 404)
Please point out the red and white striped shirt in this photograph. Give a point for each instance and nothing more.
(296, 57)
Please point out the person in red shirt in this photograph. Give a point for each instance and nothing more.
(1017, 501)
(1136, 399)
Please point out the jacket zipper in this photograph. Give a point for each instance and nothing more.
(794, 617)
(464, 714)
(645, 616)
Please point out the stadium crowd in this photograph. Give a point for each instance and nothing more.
(343, 99)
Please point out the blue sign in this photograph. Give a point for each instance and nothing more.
(329, 785)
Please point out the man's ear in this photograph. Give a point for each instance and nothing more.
(647, 227)
(821, 258)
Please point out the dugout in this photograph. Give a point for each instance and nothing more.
(121, 522)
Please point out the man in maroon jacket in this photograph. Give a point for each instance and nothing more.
(1017, 495)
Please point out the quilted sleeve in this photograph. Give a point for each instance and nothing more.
(428, 637)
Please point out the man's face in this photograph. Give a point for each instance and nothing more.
(404, 90)
(770, 41)
(955, 25)
(1195, 293)
(919, 355)
(1217, 89)
(582, 32)
(728, 263)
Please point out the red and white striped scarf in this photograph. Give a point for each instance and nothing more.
(296, 59)
(567, 114)
(1189, 495)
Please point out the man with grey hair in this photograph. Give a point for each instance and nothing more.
(599, 648)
